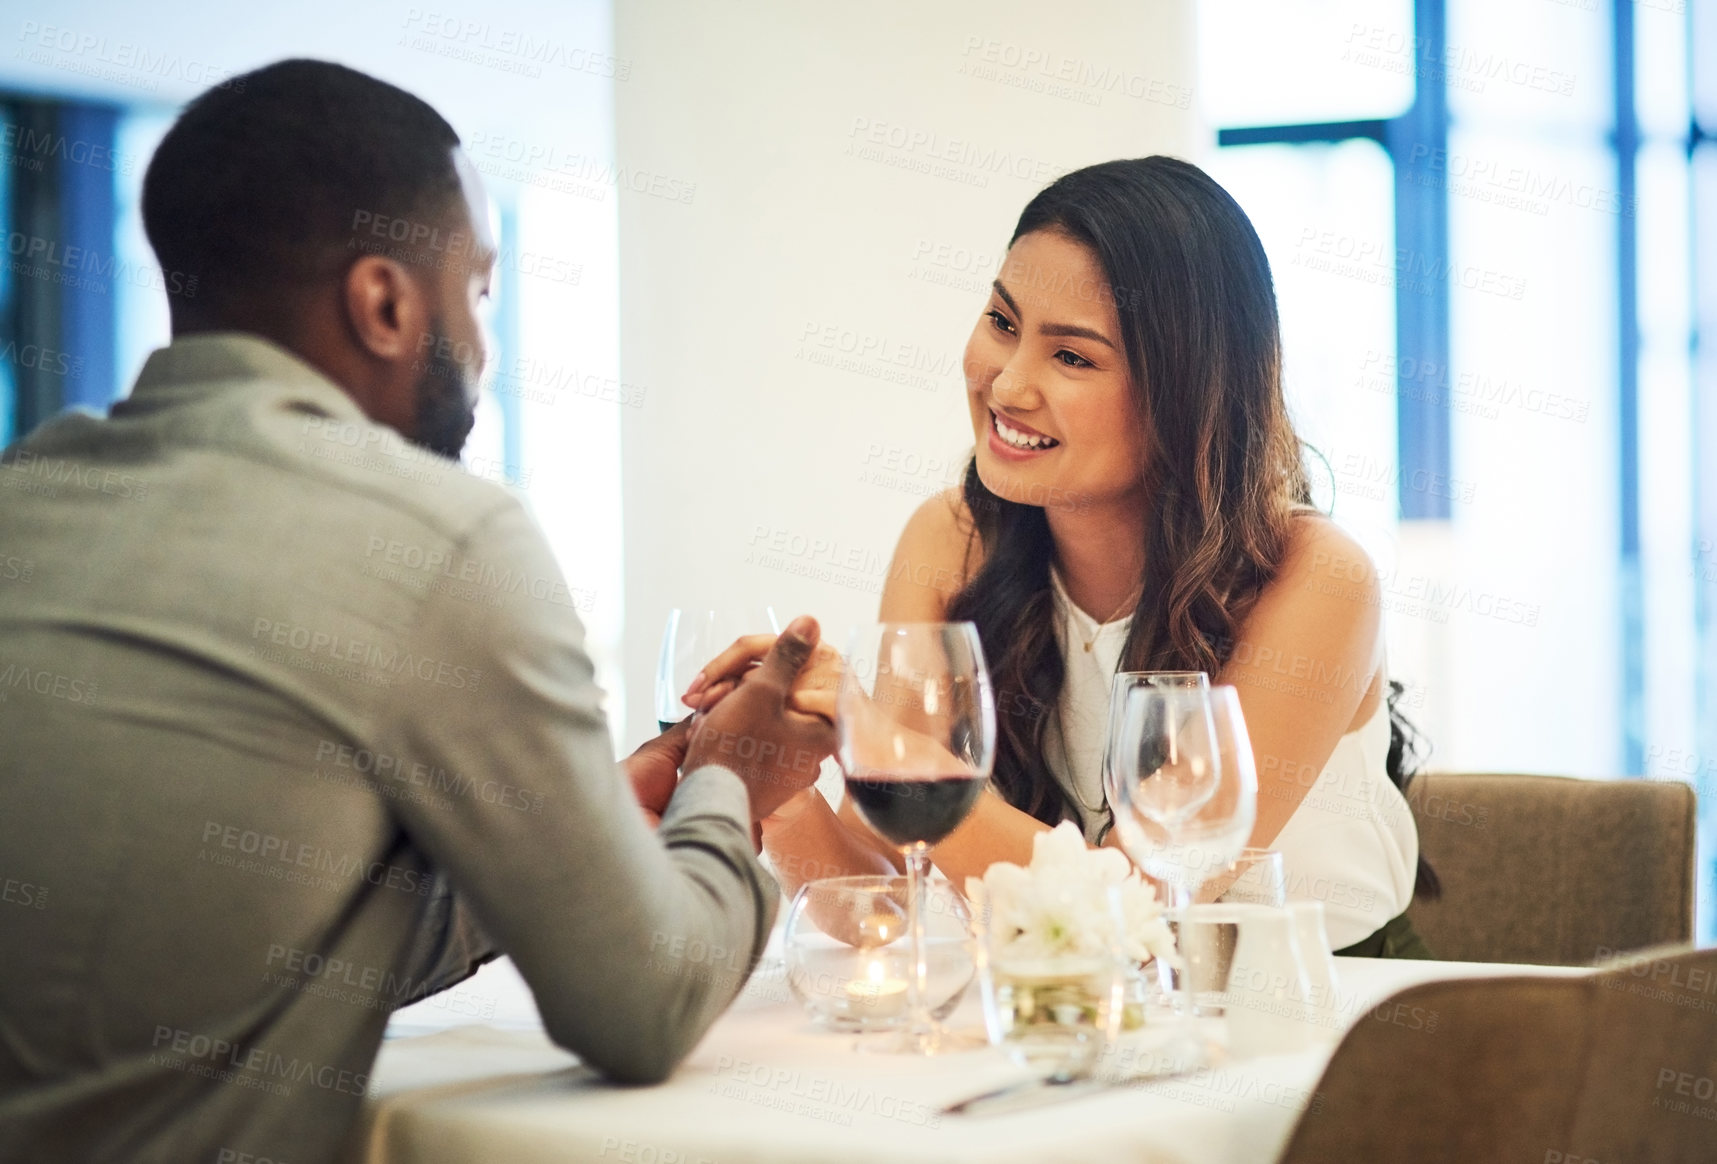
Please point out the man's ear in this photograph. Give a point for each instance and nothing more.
(385, 308)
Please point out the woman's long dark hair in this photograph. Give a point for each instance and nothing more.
(1197, 310)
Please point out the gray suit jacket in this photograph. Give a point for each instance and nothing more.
(272, 681)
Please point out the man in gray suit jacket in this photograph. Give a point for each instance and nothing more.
(277, 677)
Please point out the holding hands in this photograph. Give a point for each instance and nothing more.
(763, 713)
(814, 686)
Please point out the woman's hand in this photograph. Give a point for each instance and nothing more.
(813, 692)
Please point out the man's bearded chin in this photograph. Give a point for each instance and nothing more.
(444, 419)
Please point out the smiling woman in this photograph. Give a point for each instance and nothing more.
(1136, 501)
(1052, 403)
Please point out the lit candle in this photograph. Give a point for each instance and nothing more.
(876, 996)
(878, 929)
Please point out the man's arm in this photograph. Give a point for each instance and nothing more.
(632, 942)
(450, 945)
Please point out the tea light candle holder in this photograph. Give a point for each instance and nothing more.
(847, 955)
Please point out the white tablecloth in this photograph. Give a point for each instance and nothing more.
(765, 1086)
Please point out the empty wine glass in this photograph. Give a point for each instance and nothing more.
(1123, 683)
(1166, 761)
(1126, 681)
(916, 724)
(692, 638)
(1223, 824)
(1184, 849)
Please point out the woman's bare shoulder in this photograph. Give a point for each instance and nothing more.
(1326, 588)
(944, 520)
(1320, 549)
(1325, 604)
(937, 554)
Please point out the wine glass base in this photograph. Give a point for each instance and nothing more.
(934, 1040)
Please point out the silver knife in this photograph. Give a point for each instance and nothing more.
(1026, 1094)
(1054, 1089)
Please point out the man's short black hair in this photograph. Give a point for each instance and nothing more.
(257, 187)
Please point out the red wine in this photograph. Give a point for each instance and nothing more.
(908, 812)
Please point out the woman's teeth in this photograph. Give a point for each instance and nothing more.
(1020, 440)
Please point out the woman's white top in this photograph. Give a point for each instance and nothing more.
(1350, 844)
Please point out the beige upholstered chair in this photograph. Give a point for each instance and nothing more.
(1615, 1066)
(1552, 870)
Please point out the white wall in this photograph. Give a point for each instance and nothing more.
(796, 320)
(489, 67)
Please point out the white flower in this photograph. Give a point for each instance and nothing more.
(1058, 906)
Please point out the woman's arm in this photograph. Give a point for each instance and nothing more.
(806, 841)
(1307, 665)
(994, 831)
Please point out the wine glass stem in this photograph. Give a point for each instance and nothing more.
(1179, 897)
(917, 985)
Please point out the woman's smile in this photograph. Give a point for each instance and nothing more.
(1016, 441)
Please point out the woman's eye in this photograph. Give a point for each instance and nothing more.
(1073, 359)
(1000, 322)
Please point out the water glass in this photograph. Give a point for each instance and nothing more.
(1256, 878)
(1244, 964)
(1322, 980)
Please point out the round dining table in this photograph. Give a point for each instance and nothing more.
(469, 1076)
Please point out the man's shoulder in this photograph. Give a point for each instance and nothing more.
(374, 462)
(241, 396)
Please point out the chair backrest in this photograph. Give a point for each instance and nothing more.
(1552, 870)
(1616, 1065)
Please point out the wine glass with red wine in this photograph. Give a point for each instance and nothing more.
(916, 720)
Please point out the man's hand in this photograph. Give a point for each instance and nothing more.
(754, 731)
(654, 770)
